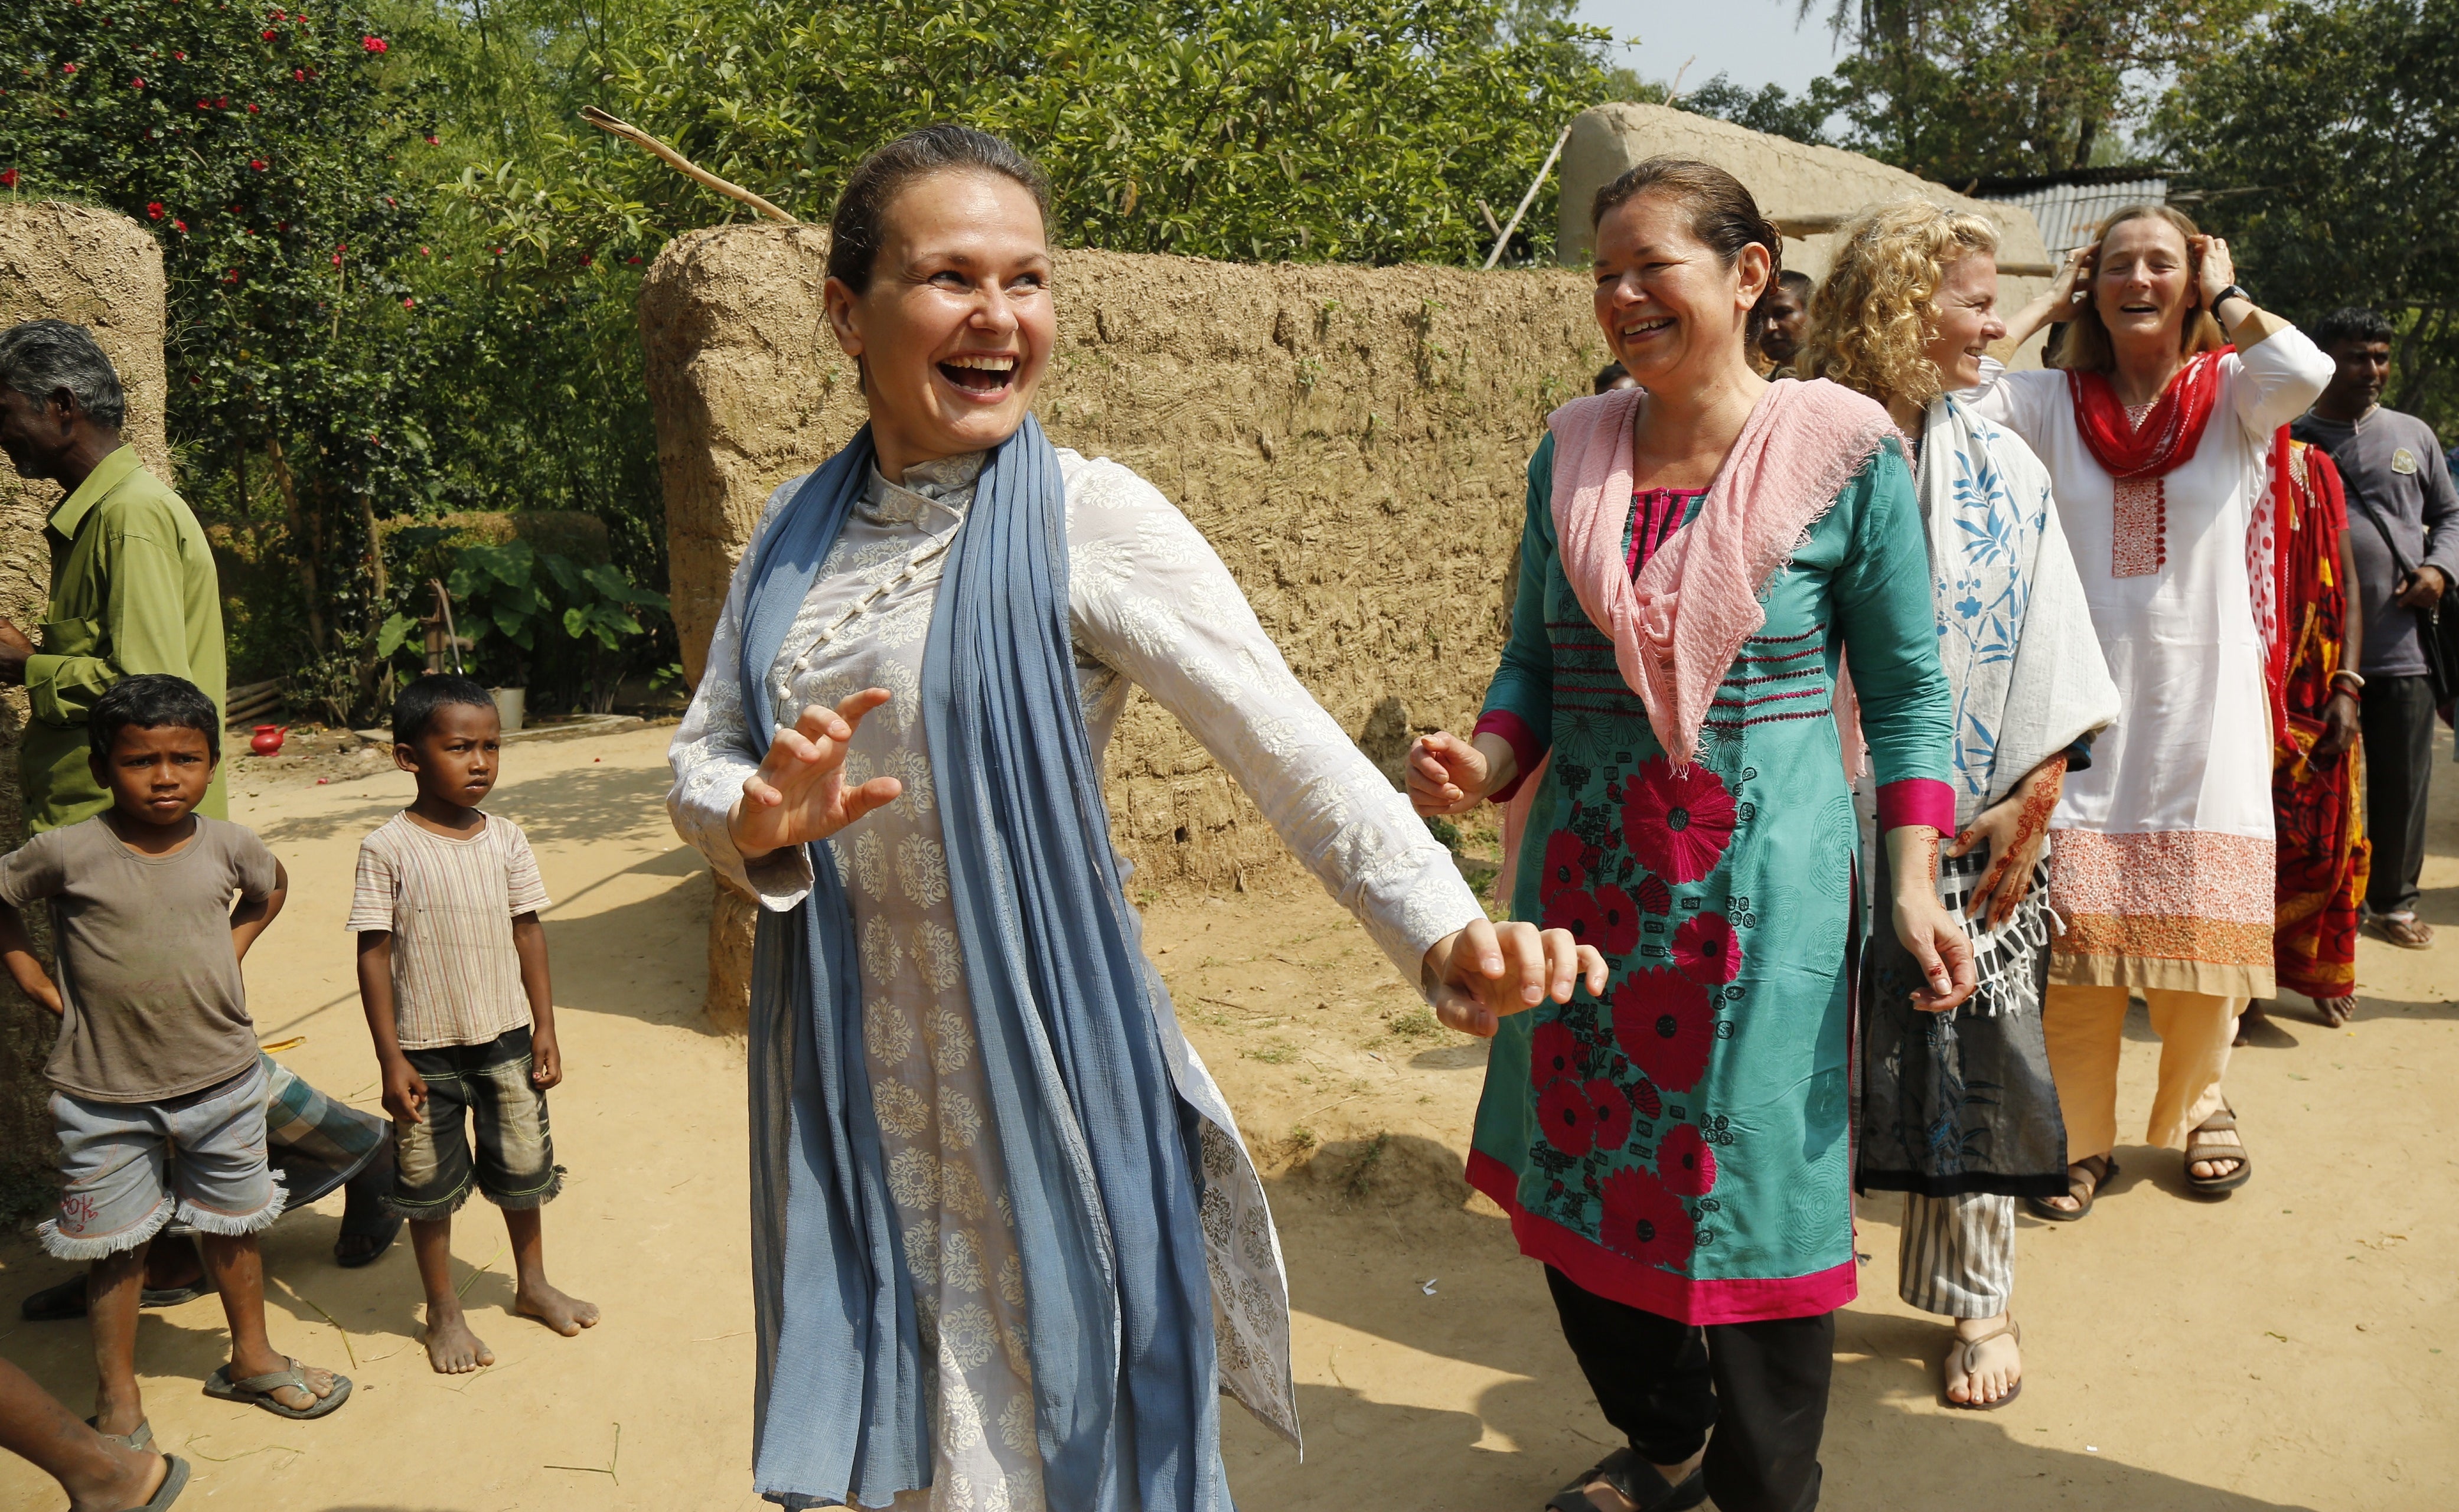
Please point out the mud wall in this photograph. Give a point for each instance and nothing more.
(105, 272)
(1352, 441)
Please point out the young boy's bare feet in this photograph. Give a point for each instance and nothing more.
(567, 1315)
(450, 1347)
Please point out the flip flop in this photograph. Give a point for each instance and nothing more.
(174, 1480)
(256, 1391)
(65, 1302)
(2197, 1150)
(1636, 1482)
(143, 1436)
(1959, 1362)
(2085, 1196)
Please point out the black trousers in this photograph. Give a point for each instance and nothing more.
(2398, 721)
(1761, 1386)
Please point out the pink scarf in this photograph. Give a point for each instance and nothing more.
(1676, 630)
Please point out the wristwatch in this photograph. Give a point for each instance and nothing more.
(2233, 291)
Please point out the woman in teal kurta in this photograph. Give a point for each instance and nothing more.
(1675, 1149)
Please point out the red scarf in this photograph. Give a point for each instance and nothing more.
(2137, 456)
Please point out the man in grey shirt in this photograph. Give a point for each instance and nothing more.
(2404, 530)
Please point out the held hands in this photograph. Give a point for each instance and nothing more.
(2422, 588)
(546, 1060)
(799, 792)
(1448, 775)
(1930, 932)
(405, 1092)
(1487, 971)
(2340, 729)
(2214, 268)
(2013, 829)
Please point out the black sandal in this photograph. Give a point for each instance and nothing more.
(1636, 1482)
(2084, 1195)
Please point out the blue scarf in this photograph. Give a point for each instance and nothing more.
(1103, 1172)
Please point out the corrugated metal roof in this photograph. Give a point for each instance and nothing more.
(2068, 211)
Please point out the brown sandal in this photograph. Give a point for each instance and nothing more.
(2198, 1150)
(2098, 1171)
(1959, 1362)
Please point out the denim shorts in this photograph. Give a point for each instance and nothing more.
(129, 1165)
(487, 1084)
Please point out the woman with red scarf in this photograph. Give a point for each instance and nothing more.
(2157, 434)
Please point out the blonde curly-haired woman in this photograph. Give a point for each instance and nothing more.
(1960, 1112)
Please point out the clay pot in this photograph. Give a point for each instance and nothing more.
(267, 741)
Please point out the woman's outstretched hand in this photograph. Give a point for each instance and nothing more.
(1933, 935)
(2011, 833)
(1481, 973)
(1448, 775)
(799, 793)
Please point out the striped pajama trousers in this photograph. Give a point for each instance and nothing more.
(1958, 1256)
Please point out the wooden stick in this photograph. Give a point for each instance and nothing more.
(682, 164)
(1526, 200)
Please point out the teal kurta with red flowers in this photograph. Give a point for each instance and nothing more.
(1680, 1142)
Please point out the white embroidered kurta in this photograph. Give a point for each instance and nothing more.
(1151, 606)
(2166, 866)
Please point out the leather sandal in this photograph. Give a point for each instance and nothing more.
(1959, 1362)
(1636, 1482)
(2199, 1150)
(2098, 1171)
(2406, 930)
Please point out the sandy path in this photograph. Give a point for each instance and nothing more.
(2314, 1306)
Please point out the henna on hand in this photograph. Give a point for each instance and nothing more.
(2009, 880)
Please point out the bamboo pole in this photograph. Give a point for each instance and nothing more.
(1525, 201)
(680, 163)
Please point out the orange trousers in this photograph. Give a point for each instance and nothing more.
(2086, 1027)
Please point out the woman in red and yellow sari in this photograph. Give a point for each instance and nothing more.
(2317, 780)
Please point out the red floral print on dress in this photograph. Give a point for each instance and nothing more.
(1568, 1117)
(1705, 950)
(1677, 824)
(1613, 1114)
(1553, 1050)
(1655, 896)
(1662, 1023)
(1644, 1097)
(1605, 918)
(1686, 1163)
(1646, 1222)
(1566, 869)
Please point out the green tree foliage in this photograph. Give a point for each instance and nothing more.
(2326, 147)
(1770, 108)
(1353, 130)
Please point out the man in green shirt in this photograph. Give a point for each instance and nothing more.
(132, 584)
(134, 590)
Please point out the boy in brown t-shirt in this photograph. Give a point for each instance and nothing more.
(453, 974)
(156, 1056)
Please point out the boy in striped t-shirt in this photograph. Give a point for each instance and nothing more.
(453, 974)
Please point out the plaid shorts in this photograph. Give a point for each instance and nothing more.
(489, 1085)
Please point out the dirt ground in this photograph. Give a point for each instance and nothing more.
(2281, 1349)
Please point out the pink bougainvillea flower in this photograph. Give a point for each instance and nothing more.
(257, 163)
(1646, 1222)
(1686, 1163)
(432, 141)
(1553, 1050)
(1563, 866)
(409, 303)
(1662, 1023)
(222, 103)
(1655, 896)
(7, 178)
(231, 276)
(181, 57)
(1679, 824)
(269, 35)
(298, 75)
(153, 210)
(1704, 947)
(1566, 1116)
(180, 226)
(136, 83)
(1613, 1114)
(634, 258)
(422, 252)
(374, 43)
(251, 110)
(67, 68)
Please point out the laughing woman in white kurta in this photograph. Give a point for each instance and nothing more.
(2155, 440)
(819, 719)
